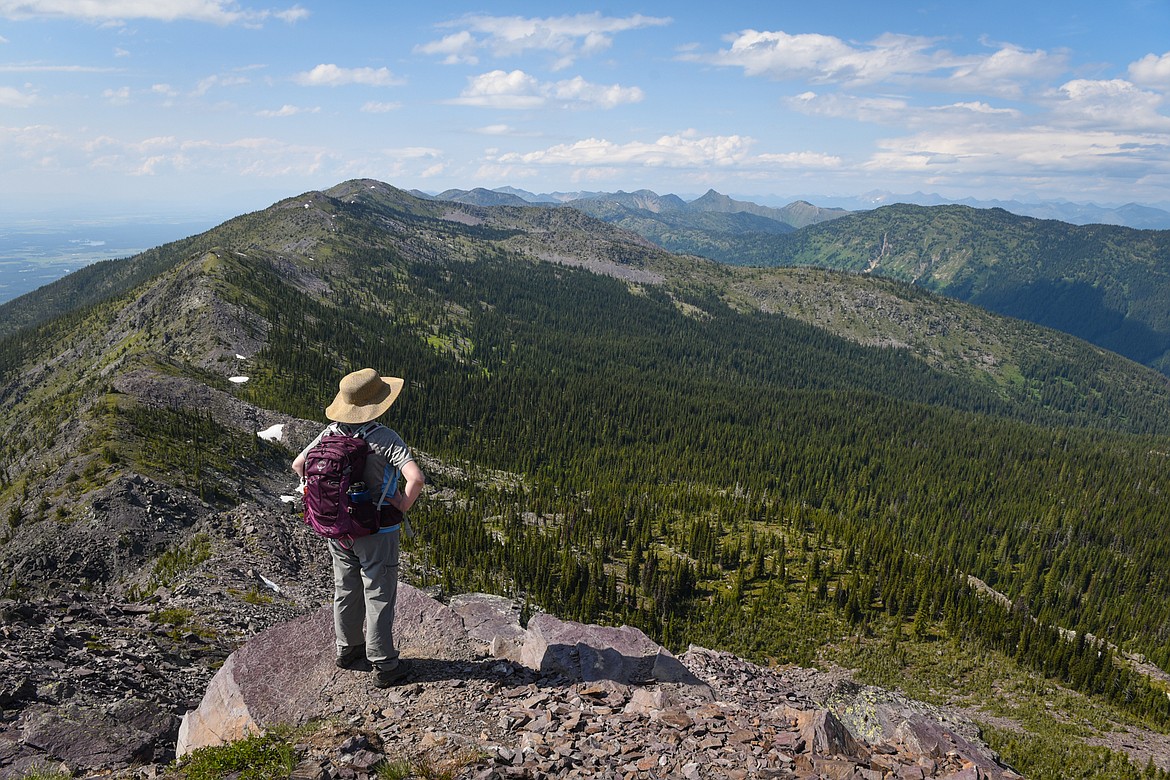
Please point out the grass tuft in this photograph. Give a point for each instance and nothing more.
(261, 757)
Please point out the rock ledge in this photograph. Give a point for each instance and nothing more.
(563, 699)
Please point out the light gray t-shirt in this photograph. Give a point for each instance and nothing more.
(388, 454)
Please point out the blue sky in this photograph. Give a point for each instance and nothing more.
(210, 106)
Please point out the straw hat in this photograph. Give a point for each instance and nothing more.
(363, 396)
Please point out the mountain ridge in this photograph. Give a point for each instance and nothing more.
(1134, 215)
(795, 294)
(795, 215)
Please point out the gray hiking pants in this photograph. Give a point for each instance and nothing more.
(365, 586)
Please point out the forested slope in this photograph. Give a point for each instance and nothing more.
(1106, 284)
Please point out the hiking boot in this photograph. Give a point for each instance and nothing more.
(350, 656)
(387, 678)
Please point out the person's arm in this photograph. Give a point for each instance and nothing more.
(415, 479)
(298, 464)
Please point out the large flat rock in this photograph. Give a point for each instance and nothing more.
(287, 675)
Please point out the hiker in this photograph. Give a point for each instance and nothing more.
(365, 568)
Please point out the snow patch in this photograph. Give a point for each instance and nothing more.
(268, 583)
(289, 499)
(239, 380)
(240, 357)
(273, 433)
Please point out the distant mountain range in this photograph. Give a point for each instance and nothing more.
(616, 206)
(1134, 215)
(800, 211)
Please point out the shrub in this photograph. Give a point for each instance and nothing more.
(261, 757)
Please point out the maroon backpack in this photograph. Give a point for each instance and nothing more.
(337, 503)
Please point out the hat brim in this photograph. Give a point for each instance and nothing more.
(344, 412)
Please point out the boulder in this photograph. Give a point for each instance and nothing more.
(127, 732)
(493, 620)
(825, 734)
(287, 674)
(588, 652)
(878, 716)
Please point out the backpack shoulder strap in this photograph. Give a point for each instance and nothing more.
(367, 429)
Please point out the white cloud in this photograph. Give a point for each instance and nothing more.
(495, 130)
(165, 90)
(895, 110)
(231, 80)
(47, 148)
(375, 107)
(1152, 71)
(568, 37)
(222, 12)
(333, 76)
(800, 160)
(825, 59)
(288, 110)
(292, 15)
(38, 149)
(519, 90)
(120, 52)
(684, 150)
(1115, 105)
(455, 48)
(1037, 152)
(1003, 71)
(579, 91)
(118, 97)
(978, 107)
(413, 152)
(500, 89)
(44, 149)
(3, 40)
(600, 173)
(150, 165)
(840, 106)
(10, 97)
(33, 143)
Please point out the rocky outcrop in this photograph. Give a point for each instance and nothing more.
(575, 701)
(89, 683)
(120, 526)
